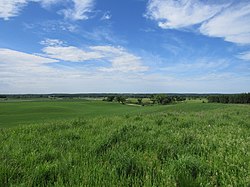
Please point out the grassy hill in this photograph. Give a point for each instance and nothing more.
(192, 144)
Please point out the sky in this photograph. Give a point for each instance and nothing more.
(124, 46)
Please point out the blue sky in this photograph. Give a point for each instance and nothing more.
(72, 46)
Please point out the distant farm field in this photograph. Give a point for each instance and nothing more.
(16, 112)
(95, 143)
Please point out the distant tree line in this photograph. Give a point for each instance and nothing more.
(101, 95)
(161, 99)
(234, 98)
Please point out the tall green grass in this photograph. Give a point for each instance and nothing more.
(173, 148)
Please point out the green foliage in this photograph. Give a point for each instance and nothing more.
(179, 98)
(187, 144)
(236, 98)
(153, 98)
(163, 99)
(139, 101)
(110, 98)
(121, 99)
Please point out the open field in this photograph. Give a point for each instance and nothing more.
(16, 112)
(187, 144)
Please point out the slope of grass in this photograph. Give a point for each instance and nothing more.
(29, 112)
(173, 147)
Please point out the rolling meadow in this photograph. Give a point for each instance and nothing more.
(96, 143)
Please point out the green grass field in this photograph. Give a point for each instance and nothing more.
(95, 143)
(14, 113)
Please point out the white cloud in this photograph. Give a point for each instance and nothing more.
(79, 11)
(47, 3)
(70, 53)
(52, 42)
(28, 73)
(108, 49)
(218, 19)
(106, 16)
(103, 34)
(51, 26)
(119, 58)
(16, 57)
(175, 14)
(233, 24)
(244, 56)
(12, 8)
(18, 67)
(227, 20)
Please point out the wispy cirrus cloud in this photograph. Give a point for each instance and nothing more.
(172, 14)
(103, 34)
(225, 19)
(70, 53)
(47, 3)
(51, 26)
(106, 16)
(244, 56)
(10, 9)
(228, 20)
(199, 66)
(17, 57)
(78, 11)
(52, 42)
(232, 24)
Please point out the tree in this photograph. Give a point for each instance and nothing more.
(163, 99)
(121, 99)
(235, 98)
(153, 98)
(167, 100)
(180, 98)
(139, 101)
(110, 98)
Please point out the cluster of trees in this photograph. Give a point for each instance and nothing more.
(235, 98)
(161, 99)
(165, 99)
(119, 99)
